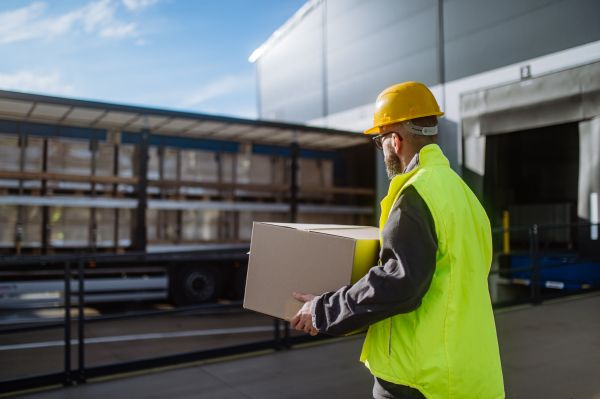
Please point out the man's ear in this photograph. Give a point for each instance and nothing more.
(396, 143)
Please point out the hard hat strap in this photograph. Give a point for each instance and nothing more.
(423, 131)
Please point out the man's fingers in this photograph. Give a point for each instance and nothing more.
(299, 296)
(300, 325)
(302, 321)
(303, 297)
(295, 321)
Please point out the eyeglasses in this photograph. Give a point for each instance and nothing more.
(378, 140)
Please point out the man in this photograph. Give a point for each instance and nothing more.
(431, 327)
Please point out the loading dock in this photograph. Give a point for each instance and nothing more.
(530, 154)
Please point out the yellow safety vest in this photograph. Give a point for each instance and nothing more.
(447, 348)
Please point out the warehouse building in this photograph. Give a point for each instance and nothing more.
(507, 75)
(519, 82)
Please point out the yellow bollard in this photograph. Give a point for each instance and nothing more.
(506, 234)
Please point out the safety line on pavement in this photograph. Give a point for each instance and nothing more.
(177, 334)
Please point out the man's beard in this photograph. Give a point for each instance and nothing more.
(393, 166)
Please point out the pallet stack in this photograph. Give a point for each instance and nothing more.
(77, 190)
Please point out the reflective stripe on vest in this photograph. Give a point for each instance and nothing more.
(447, 348)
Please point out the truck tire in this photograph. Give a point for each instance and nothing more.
(239, 282)
(197, 284)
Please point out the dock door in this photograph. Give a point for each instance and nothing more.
(521, 145)
(533, 174)
(531, 153)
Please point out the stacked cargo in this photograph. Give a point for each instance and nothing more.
(75, 188)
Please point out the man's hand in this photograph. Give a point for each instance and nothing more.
(303, 319)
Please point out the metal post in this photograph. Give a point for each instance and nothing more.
(45, 209)
(287, 343)
(179, 226)
(80, 324)
(234, 218)
(535, 273)
(114, 193)
(535, 264)
(22, 147)
(161, 231)
(532, 263)
(140, 239)
(19, 229)
(277, 336)
(93, 227)
(221, 218)
(67, 379)
(294, 152)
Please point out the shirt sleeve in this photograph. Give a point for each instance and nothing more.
(408, 256)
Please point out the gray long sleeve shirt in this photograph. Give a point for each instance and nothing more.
(407, 256)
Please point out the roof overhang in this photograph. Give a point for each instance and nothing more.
(36, 108)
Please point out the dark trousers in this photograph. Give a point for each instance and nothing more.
(387, 390)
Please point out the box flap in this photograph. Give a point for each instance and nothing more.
(368, 233)
(314, 226)
(354, 232)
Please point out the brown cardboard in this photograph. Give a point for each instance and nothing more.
(308, 258)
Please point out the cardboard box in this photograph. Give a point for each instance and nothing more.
(308, 258)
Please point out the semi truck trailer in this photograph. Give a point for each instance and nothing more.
(138, 187)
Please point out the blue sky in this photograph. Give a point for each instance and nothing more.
(177, 54)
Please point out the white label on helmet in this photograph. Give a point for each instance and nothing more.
(423, 131)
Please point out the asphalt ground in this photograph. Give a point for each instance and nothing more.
(39, 352)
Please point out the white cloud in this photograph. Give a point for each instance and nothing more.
(134, 5)
(119, 31)
(28, 81)
(32, 22)
(97, 14)
(223, 86)
(142, 42)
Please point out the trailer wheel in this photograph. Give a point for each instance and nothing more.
(239, 282)
(198, 284)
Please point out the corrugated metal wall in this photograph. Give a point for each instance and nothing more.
(372, 44)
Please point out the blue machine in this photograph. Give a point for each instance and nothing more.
(569, 277)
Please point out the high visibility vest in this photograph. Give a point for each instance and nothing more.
(447, 348)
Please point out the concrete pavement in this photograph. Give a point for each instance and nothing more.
(550, 351)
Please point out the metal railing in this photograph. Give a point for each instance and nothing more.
(70, 376)
(535, 268)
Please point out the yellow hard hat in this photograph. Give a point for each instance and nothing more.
(401, 102)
